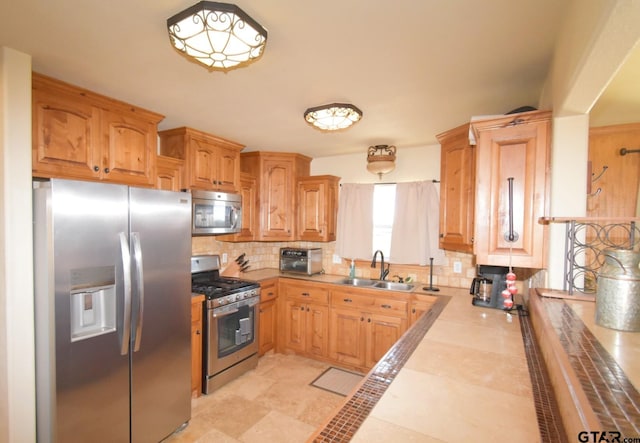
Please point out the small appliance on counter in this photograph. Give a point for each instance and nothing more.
(301, 260)
(487, 287)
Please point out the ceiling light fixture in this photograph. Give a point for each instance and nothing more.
(381, 159)
(333, 117)
(218, 35)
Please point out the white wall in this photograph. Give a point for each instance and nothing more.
(412, 164)
(17, 379)
(596, 39)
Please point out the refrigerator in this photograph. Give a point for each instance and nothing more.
(112, 311)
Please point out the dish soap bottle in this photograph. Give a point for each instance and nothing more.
(352, 270)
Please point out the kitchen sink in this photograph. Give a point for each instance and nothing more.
(377, 284)
(393, 286)
(356, 281)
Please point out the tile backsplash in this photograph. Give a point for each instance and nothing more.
(265, 255)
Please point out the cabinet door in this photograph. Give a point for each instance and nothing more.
(317, 208)
(294, 325)
(169, 173)
(348, 336)
(457, 190)
(227, 175)
(202, 164)
(417, 309)
(277, 198)
(248, 191)
(383, 331)
(129, 146)
(196, 347)
(519, 151)
(317, 328)
(267, 333)
(65, 134)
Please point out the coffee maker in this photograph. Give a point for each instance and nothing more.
(487, 287)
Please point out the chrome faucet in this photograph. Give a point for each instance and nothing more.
(383, 272)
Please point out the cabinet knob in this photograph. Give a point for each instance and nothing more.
(441, 235)
(368, 320)
(302, 308)
(413, 310)
(107, 170)
(361, 318)
(197, 331)
(96, 168)
(307, 309)
(269, 294)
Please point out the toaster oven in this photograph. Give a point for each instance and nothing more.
(301, 260)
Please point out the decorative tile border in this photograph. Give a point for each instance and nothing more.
(544, 398)
(348, 420)
(614, 400)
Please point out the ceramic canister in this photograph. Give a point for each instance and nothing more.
(618, 294)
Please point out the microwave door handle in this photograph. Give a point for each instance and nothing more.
(234, 217)
(137, 257)
(126, 315)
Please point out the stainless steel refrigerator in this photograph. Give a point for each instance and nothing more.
(112, 302)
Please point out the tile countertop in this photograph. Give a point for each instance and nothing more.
(467, 380)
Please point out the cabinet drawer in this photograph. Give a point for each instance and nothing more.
(268, 291)
(307, 294)
(369, 303)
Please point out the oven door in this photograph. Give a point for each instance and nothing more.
(231, 335)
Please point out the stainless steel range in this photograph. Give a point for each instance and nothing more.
(230, 342)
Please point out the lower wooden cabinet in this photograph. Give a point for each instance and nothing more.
(364, 325)
(420, 304)
(196, 345)
(267, 332)
(306, 319)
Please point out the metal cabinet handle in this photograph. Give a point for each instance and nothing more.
(305, 294)
(269, 294)
(96, 168)
(107, 170)
(347, 300)
(511, 236)
(385, 306)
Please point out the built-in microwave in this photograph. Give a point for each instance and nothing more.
(215, 213)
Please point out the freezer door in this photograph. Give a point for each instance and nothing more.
(160, 224)
(82, 382)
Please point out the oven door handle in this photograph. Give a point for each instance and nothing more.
(225, 313)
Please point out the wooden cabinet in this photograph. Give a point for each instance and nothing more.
(169, 173)
(317, 208)
(364, 325)
(268, 315)
(276, 175)
(457, 189)
(79, 134)
(196, 344)
(515, 146)
(306, 318)
(420, 304)
(211, 163)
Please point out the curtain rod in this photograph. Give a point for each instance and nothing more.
(395, 183)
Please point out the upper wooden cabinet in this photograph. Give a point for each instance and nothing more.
(169, 173)
(317, 208)
(276, 177)
(457, 189)
(211, 163)
(83, 135)
(514, 146)
(248, 191)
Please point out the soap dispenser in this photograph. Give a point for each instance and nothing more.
(352, 270)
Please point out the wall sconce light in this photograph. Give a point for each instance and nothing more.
(333, 117)
(218, 35)
(381, 159)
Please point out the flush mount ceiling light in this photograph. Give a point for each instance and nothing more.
(333, 117)
(218, 35)
(381, 159)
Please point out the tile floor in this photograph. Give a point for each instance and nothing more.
(273, 403)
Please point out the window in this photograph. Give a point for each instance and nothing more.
(384, 201)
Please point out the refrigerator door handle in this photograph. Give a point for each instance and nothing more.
(126, 273)
(137, 256)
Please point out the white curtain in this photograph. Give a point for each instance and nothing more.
(414, 237)
(355, 221)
